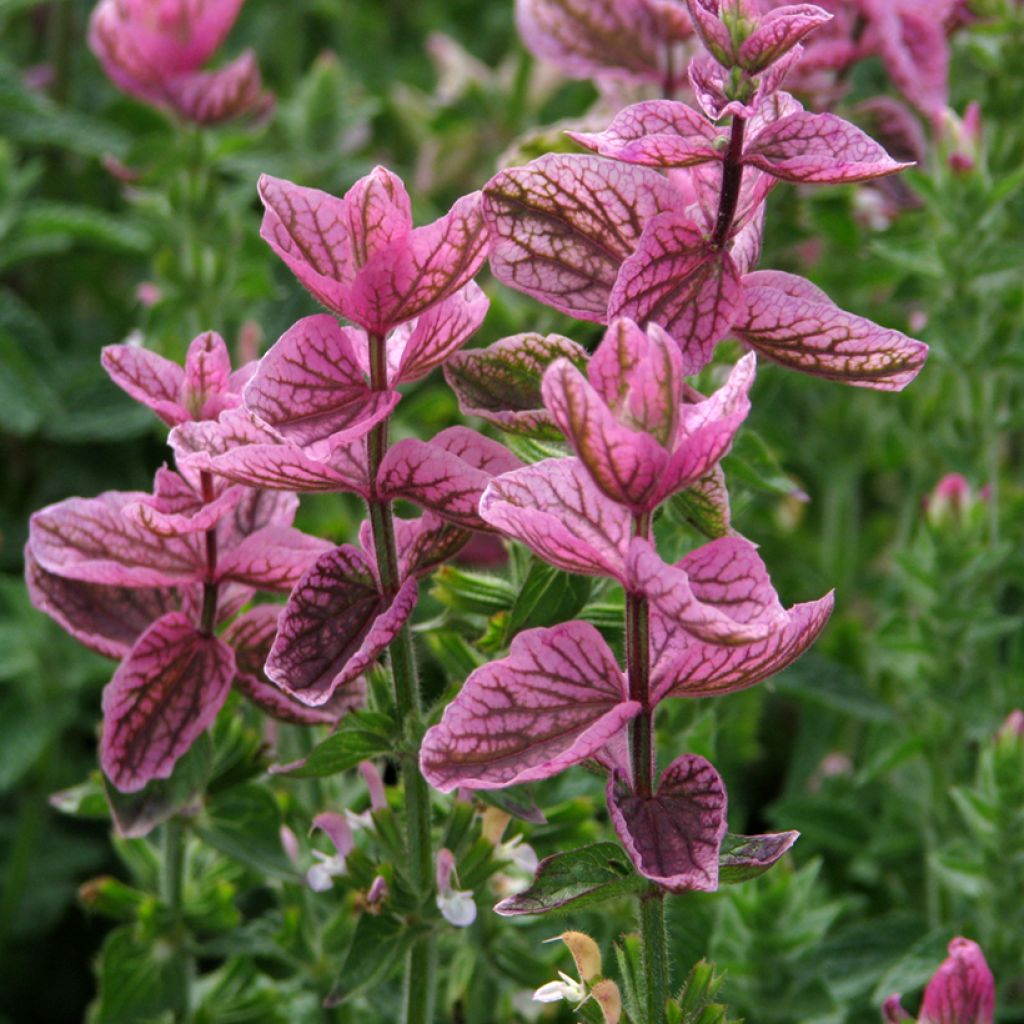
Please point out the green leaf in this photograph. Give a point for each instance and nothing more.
(753, 463)
(132, 981)
(548, 596)
(86, 800)
(575, 880)
(137, 814)
(704, 506)
(244, 824)
(362, 735)
(378, 943)
(517, 801)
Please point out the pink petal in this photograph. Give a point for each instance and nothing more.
(674, 836)
(378, 214)
(150, 379)
(240, 450)
(447, 475)
(90, 539)
(309, 388)
(106, 619)
(790, 321)
(585, 38)
(207, 376)
(778, 32)
(334, 626)
(962, 990)
(338, 831)
(557, 511)
(212, 97)
(256, 510)
(407, 277)
(715, 606)
(687, 667)
(657, 133)
(273, 558)
(436, 335)
(626, 464)
(893, 1012)
(308, 229)
(501, 383)
(818, 149)
(562, 226)
(427, 542)
(162, 697)
(677, 280)
(251, 636)
(554, 701)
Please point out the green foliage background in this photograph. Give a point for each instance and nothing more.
(878, 745)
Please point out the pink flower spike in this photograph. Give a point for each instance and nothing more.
(162, 697)
(680, 282)
(557, 511)
(615, 39)
(334, 626)
(658, 133)
(90, 539)
(251, 636)
(447, 475)
(673, 837)
(238, 449)
(777, 32)
(818, 149)
(962, 990)
(310, 391)
(562, 226)
(106, 619)
(719, 593)
(790, 321)
(555, 700)
(212, 97)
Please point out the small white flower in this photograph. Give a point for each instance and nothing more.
(320, 877)
(457, 907)
(568, 988)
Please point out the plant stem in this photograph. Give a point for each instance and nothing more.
(732, 178)
(172, 884)
(420, 977)
(642, 758)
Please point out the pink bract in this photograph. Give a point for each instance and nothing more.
(360, 255)
(962, 990)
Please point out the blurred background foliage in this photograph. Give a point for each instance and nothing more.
(880, 746)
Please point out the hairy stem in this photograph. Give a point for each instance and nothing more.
(642, 759)
(732, 178)
(420, 978)
(172, 883)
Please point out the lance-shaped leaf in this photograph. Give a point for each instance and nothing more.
(744, 857)
(962, 991)
(501, 383)
(273, 558)
(557, 511)
(411, 274)
(163, 695)
(673, 837)
(334, 626)
(309, 388)
(107, 619)
(251, 636)
(91, 539)
(150, 379)
(818, 149)
(574, 880)
(777, 32)
(176, 508)
(239, 449)
(447, 475)
(680, 282)
(562, 226)
(587, 38)
(728, 600)
(556, 699)
(212, 97)
(792, 322)
(414, 349)
(657, 133)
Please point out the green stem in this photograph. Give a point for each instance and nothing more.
(642, 758)
(172, 884)
(420, 976)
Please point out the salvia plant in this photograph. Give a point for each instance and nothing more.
(652, 228)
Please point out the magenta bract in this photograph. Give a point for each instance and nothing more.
(360, 255)
(554, 701)
(962, 990)
(673, 836)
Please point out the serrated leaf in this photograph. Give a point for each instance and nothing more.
(578, 879)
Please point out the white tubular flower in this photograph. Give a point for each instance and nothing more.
(568, 988)
(457, 906)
